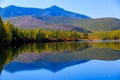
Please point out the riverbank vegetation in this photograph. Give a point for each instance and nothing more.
(105, 35)
(10, 34)
(14, 35)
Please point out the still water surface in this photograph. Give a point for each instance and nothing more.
(61, 61)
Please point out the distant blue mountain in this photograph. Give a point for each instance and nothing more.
(13, 11)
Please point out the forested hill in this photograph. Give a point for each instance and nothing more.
(12, 11)
(101, 24)
(30, 22)
(82, 25)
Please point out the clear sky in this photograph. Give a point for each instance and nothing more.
(92, 8)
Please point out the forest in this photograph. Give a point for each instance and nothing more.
(105, 35)
(9, 34)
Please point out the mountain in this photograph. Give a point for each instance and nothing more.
(103, 24)
(30, 22)
(13, 11)
(56, 18)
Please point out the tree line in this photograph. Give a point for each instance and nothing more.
(10, 34)
(105, 35)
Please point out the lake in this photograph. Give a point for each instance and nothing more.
(61, 61)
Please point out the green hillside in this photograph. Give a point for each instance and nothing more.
(31, 22)
(101, 24)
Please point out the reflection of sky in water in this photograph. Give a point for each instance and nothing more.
(92, 70)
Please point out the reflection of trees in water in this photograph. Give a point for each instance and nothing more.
(51, 47)
(9, 53)
(111, 45)
(6, 55)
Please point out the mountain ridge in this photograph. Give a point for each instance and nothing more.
(13, 11)
(56, 17)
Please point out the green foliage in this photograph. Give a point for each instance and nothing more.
(9, 34)
(1, 22)
(106, 35)
(5, 32)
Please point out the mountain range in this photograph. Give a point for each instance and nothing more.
(13, 11)
(56, 18)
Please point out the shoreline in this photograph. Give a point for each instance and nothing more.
(89, 40)
(51, 41)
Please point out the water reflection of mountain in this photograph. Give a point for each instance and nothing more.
(57, 53)
(52, 66)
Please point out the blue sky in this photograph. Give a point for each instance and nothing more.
(92, 8)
